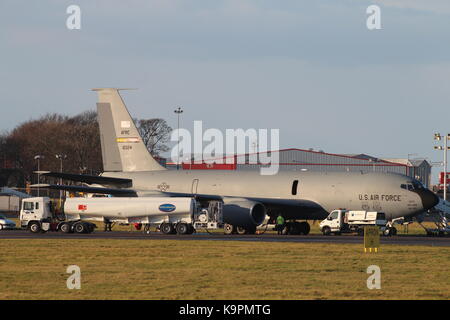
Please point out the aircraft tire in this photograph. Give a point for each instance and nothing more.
(305, 228)
(293, 228)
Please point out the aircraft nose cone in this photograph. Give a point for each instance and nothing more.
(429, 199)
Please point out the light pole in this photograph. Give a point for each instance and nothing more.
(61, 158)
(38, 157)
(178, 111)
(438, 137)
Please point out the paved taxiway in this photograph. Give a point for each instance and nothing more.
(124, 235)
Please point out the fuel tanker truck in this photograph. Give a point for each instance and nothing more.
(169, 215)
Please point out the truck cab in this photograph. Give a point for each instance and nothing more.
(38, 215)
(35, 210)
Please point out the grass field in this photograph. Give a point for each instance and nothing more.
(166, 269)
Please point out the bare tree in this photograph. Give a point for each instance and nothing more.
(76, 137)
(85, 141)
(155, 134)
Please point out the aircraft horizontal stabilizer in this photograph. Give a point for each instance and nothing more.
(112, 191)
(89, 179)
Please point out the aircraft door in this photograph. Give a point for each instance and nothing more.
(194, 186)
(294, 188)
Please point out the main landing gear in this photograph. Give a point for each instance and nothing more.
(230, 229)
(290, 228)
(297, 228)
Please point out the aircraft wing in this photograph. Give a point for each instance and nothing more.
(90, 179)
(289, 208)
(111, 191)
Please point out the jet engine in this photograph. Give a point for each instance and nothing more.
(243, 213)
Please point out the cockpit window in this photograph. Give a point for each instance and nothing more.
(418, 185)
(413, 185)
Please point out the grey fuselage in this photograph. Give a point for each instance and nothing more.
(380, 192)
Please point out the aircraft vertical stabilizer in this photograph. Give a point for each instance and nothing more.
(122, 146)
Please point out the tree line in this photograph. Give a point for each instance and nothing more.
(76, 139)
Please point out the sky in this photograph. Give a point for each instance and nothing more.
(311, 69)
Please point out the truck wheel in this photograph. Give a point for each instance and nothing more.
(326, 231)
(166, 228)
(305, 228)
(35, 227)
(241, 230)
(182, 228)
(228, 229)
(90, 228)
(65, 227)
(387, 232)
(191, 229)
(79, 228)
(1, 227)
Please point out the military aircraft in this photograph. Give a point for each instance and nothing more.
(248, 197)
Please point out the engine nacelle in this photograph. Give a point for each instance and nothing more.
(243, 213)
